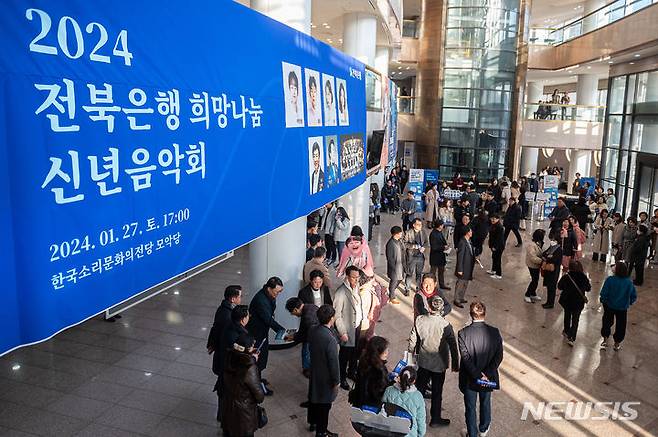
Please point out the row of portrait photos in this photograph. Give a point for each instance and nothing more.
(329, 164)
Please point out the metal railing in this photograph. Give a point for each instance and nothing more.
(406, 104)
(586, 23)
(554, 111)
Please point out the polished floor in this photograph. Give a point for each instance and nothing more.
(149, 374)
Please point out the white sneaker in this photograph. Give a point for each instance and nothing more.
(490, 272)
(536, 298)
(528, 300)
(570, 342)
(484, 434)
(617, 346)
(497, 276)
(604, 344)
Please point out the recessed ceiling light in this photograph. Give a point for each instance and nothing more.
(637, 55)
(610, 62)
(327, 27)
(313, 26)
(399, 68)
(632, 63)
(16, 367)
(588, 67)
(408, 68)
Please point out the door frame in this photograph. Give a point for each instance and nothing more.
(643, 160)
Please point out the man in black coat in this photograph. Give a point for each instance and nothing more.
(315, 289)
(438, 246)
(481, 350)
(512, 221)
(497, 246)
(464, 267)
(638, 254)
(308, 314)
(396, 262)
(261, 310)
(325, 374)
(581, 211)
(559, 214)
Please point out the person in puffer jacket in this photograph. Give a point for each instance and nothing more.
(404, 395)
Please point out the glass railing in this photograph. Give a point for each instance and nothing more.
(587, 23)
(406, 104)
(553, 111)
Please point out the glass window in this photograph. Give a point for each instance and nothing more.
(495, 119)
(373, 90)
(459, 117)
(501, 60)
(460, 97)
(496, 100)
(458, 137)
(469, 37)
(614, 130)
(623, 169)
(647, 93)
(459, 78)
(617, 89)
(610, 160)
(456, 157)
(630, 98)
(632, 169)
(645, 134)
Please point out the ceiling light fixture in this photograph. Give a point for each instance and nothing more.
(632, 63)
(610, 62)
(637, 55)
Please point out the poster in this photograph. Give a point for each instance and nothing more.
(316, 164)
(351, 156)
(416, 183)
(122, 142)
(332, 169)
(392, 124)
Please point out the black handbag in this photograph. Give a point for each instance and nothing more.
(262, 417)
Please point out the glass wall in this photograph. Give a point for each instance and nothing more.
(480, 69)
(631, 141)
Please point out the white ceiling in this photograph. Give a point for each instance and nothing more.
(554, 13)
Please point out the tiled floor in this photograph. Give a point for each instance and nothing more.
(149, 374)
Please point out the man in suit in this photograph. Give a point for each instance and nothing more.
(317, 175)
(316, 290)
(481, 350)
(512, 221)
(325, 374)
(308, 314)
(416, 243)
(464, 267)
(232, 298)
(497, 246)
(262, 309)
(396, 260)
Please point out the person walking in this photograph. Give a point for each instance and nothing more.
(405, 395)
(408, 209)
(261, 309)
(433, 341)
(438, 246)
(464, 267)
(550, 268)
(628, 237)
(601, 243)
(512, 221)
(416, 243)
(638, 254)
(325, 374)
(341, 230)
(481, 351)
(573, 285)
(242, 389)
(480, 226)
(559, 214)
(617, 295)
(533, 260)
(497, 246)
(396, 261)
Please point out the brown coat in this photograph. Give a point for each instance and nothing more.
(241, 394)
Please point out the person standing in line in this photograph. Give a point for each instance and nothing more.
(628, 237)
(481, 351)
(242, 389)
(353, 313)
(408, 208)
(428, 289)
(372, 375)
(262, 309)
(416, 244)
(533, 260)
(446, 215)
(579, 235)
(497, 246)
(316, 291)
(431, 205)
(325, 374)
(601, 244)
(464, 267)
(617, 295)
(328, 226)
(618, 236)
(568, 243)
(463, 223)
(341, 230)
(638, 254)
(551, 263)
(307, 312)
(314, 241)
(232, 298)
(404, 394)
(473, 199)
(574, 284)
(433, 341)
(559, 214)
(317, 263)
(512, 221)
(438, 247)
(396, 260)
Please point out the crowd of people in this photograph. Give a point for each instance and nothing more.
(337, 329)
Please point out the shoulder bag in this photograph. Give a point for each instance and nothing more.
(582, 295)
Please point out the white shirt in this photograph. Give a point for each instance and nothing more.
(316, 175)
(317, 297)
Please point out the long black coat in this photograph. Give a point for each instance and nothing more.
(571, 298)
(497, 237)
(396, 259)
(438, 246)
(309, 320)
(306, 295)
(221, 322)
(325, 374)
(581, 212)
(481, 350)
(261, 310)
(229, 336)
(369, 387)
(241, 394)
(512, 217)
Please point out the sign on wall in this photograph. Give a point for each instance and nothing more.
(141, 139)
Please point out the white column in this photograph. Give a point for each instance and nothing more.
(294, 13)
(529, 159)
(382, 57)
(591, 22)
(360, 36)
(534, 91)
(282, 252)
(356, 203)
(587, 94)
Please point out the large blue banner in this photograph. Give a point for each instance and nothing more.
(141, 139)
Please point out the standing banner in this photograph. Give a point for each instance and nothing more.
(141, 139)
(416, 183)
(551, 184)
(392, 123)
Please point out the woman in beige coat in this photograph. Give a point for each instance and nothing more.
(431, 206)
(602, 227)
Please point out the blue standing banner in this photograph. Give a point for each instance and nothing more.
(141, 139)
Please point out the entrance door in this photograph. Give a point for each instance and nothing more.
(646, 191)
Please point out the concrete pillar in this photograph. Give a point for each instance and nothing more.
(360, 36)
(282, 252)
(294, 13)
(591, 22)
(529, 159)
(382, 57)
(534, 91)
(587, 88)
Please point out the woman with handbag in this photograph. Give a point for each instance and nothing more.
(568, 243)
(242, 391)
(550, 267)
(573, 287)
(533, 260)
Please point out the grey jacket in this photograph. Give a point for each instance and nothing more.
(465, 260)
(433, 338)
(328, 221)
(341, 230)
(396, 259)
(325, 376)
(346, 305)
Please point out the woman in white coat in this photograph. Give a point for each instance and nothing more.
(602, 227)
(431, 206)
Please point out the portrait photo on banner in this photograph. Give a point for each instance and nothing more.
(329, 99)
(315, 164)
(313, 105)
(351, 155)
(343, 113)
(292, 76)
(332, 169)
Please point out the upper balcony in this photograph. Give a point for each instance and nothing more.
(611, 30)
(563, 126)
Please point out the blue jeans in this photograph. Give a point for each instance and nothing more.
(306, 356)
(470, 399)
